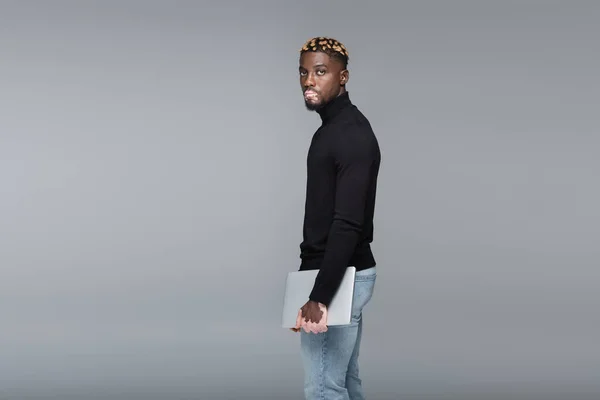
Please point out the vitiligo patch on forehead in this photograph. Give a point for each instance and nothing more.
(324, 44)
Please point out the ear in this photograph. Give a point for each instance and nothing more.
(344, 77)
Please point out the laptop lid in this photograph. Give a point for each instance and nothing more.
(298, 286)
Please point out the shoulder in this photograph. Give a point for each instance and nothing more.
(353, 136)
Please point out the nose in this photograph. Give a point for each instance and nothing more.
(309, 80)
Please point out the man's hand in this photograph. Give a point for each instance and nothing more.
(312, 317)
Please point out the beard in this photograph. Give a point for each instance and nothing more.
(315, 102)
(313, 106)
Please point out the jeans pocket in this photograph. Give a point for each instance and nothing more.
(363, 291)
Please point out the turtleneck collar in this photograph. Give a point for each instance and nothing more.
(331, 109)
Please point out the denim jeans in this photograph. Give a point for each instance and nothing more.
(330, 359)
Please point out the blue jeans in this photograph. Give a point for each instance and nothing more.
(330, 359)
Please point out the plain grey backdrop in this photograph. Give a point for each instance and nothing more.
(152, 172)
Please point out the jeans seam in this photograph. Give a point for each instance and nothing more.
(323, 355)
(364, 278)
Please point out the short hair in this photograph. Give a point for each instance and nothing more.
(328, 45)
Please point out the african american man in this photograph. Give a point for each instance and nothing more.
(342, 168)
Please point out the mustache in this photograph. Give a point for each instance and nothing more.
(311, 89)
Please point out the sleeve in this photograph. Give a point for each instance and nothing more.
(355, 162)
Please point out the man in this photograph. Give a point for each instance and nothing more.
(342, 165)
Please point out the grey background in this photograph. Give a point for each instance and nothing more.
(152, 170)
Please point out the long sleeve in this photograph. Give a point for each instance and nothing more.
(356, 162)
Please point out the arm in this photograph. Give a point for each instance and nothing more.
(355, 162)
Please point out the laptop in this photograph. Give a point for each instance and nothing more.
(298, 286)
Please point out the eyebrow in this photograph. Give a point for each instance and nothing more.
(315, 66)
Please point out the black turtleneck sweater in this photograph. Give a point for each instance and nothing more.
(342, 166)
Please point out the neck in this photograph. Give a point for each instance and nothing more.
(332, 108)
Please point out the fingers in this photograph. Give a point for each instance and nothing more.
(306, 323)
(298, 322)
(313, 327)
(320, 328)
(316, 328)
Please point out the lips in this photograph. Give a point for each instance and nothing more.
(310, 95)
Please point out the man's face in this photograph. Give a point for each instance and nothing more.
(321, 78)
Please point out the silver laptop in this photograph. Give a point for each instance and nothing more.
(299, 284)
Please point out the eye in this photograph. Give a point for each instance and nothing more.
(321, 72)
(302, 73)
